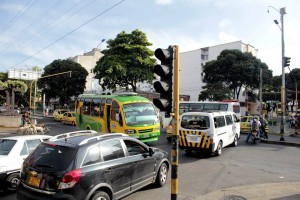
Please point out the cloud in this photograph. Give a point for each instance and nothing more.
(224, 23)
(225, 38)
(163, 2)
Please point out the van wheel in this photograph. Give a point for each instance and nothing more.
(12, 181)
(218, 152)
(235, 141)
(101, 195)
(188, 151)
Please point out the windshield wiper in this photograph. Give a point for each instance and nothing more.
(44, 165)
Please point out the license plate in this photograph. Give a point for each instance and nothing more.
(146, 135)
(34, 181)
(193, 138)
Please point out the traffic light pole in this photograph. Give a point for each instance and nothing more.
(175, 134)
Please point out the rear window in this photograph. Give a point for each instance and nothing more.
(50, 156)
(6, 146)
(195, 122)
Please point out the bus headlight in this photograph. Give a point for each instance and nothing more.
(157, 128)
(130, 131)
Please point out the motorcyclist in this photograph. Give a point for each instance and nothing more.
(263, 126)
(251, 123)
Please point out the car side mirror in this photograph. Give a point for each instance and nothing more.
(151, 151)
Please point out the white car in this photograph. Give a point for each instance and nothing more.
(13, 150)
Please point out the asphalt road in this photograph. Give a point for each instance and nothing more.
(199, 174)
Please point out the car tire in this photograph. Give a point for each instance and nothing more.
(235, 141)
(60, 120)
(162, 174)
(218, 151)
(101, 195)
(12, 181)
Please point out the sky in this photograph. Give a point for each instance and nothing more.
(36, 32)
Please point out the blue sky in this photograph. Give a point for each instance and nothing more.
(36, 32)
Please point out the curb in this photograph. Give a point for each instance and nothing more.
(280, 142)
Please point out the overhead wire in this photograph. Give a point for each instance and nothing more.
(18, 15)
(48, 27)
(88, 21)
(30, 25)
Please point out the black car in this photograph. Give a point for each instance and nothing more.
(86, 165)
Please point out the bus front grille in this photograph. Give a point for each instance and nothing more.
(146, 130)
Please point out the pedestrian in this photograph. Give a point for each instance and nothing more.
(292, 121)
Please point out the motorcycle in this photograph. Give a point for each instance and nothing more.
(254, 136)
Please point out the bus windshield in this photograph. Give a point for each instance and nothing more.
(139, 114)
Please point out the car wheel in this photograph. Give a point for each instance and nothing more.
(73, 123)
(61, 119)
(235, 141)
(162, 174)
(12, 181)
(219, 149)
(101, 195)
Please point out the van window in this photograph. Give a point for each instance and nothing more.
(195, 122)
(228, 119)
(219, 121)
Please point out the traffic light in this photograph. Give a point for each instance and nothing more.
(165, 85)
(286, 61)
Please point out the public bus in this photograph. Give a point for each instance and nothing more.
(202, 106)
(118, 113)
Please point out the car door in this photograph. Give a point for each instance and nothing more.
(118, 169)
(143, 164)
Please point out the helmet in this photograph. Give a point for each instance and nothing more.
(254, 117)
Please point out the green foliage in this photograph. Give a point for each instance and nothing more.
(62, 86)
(234, 70)
(215, 92)
(126, 61)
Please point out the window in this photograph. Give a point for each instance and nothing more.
(87, 106)
(228, 119)
(6, 146)
(134, 148)
(32, 144)
(114, 110)
(111, 149)
(93, 155)
(95, 107)
(219, 121)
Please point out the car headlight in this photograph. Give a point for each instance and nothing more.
(2, 169)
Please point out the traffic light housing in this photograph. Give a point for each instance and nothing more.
(286, 61)
(165, 86)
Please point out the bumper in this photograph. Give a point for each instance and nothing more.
(25, 194)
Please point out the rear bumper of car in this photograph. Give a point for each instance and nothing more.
(25, 194)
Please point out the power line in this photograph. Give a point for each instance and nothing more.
(71, 31)
(18, 15)
(30, 25)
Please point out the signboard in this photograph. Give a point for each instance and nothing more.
(24, 74)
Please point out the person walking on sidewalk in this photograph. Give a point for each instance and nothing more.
(263, 126)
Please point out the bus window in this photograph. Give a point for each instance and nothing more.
(87, 106)
(95, 107)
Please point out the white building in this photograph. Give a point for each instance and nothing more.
(88, 61)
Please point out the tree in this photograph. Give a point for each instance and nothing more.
(63, 86)
(235, 70)
(126, 61)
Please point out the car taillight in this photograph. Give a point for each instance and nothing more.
(69, 179)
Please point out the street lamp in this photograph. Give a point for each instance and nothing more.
(281, 12)
(103, 40)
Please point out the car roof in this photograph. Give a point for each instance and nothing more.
(24, 137)
(79, 138)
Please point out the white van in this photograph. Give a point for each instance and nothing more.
(209, 131)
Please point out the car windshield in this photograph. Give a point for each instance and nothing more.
(51, 156)
(140, 114)
(6, 146)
